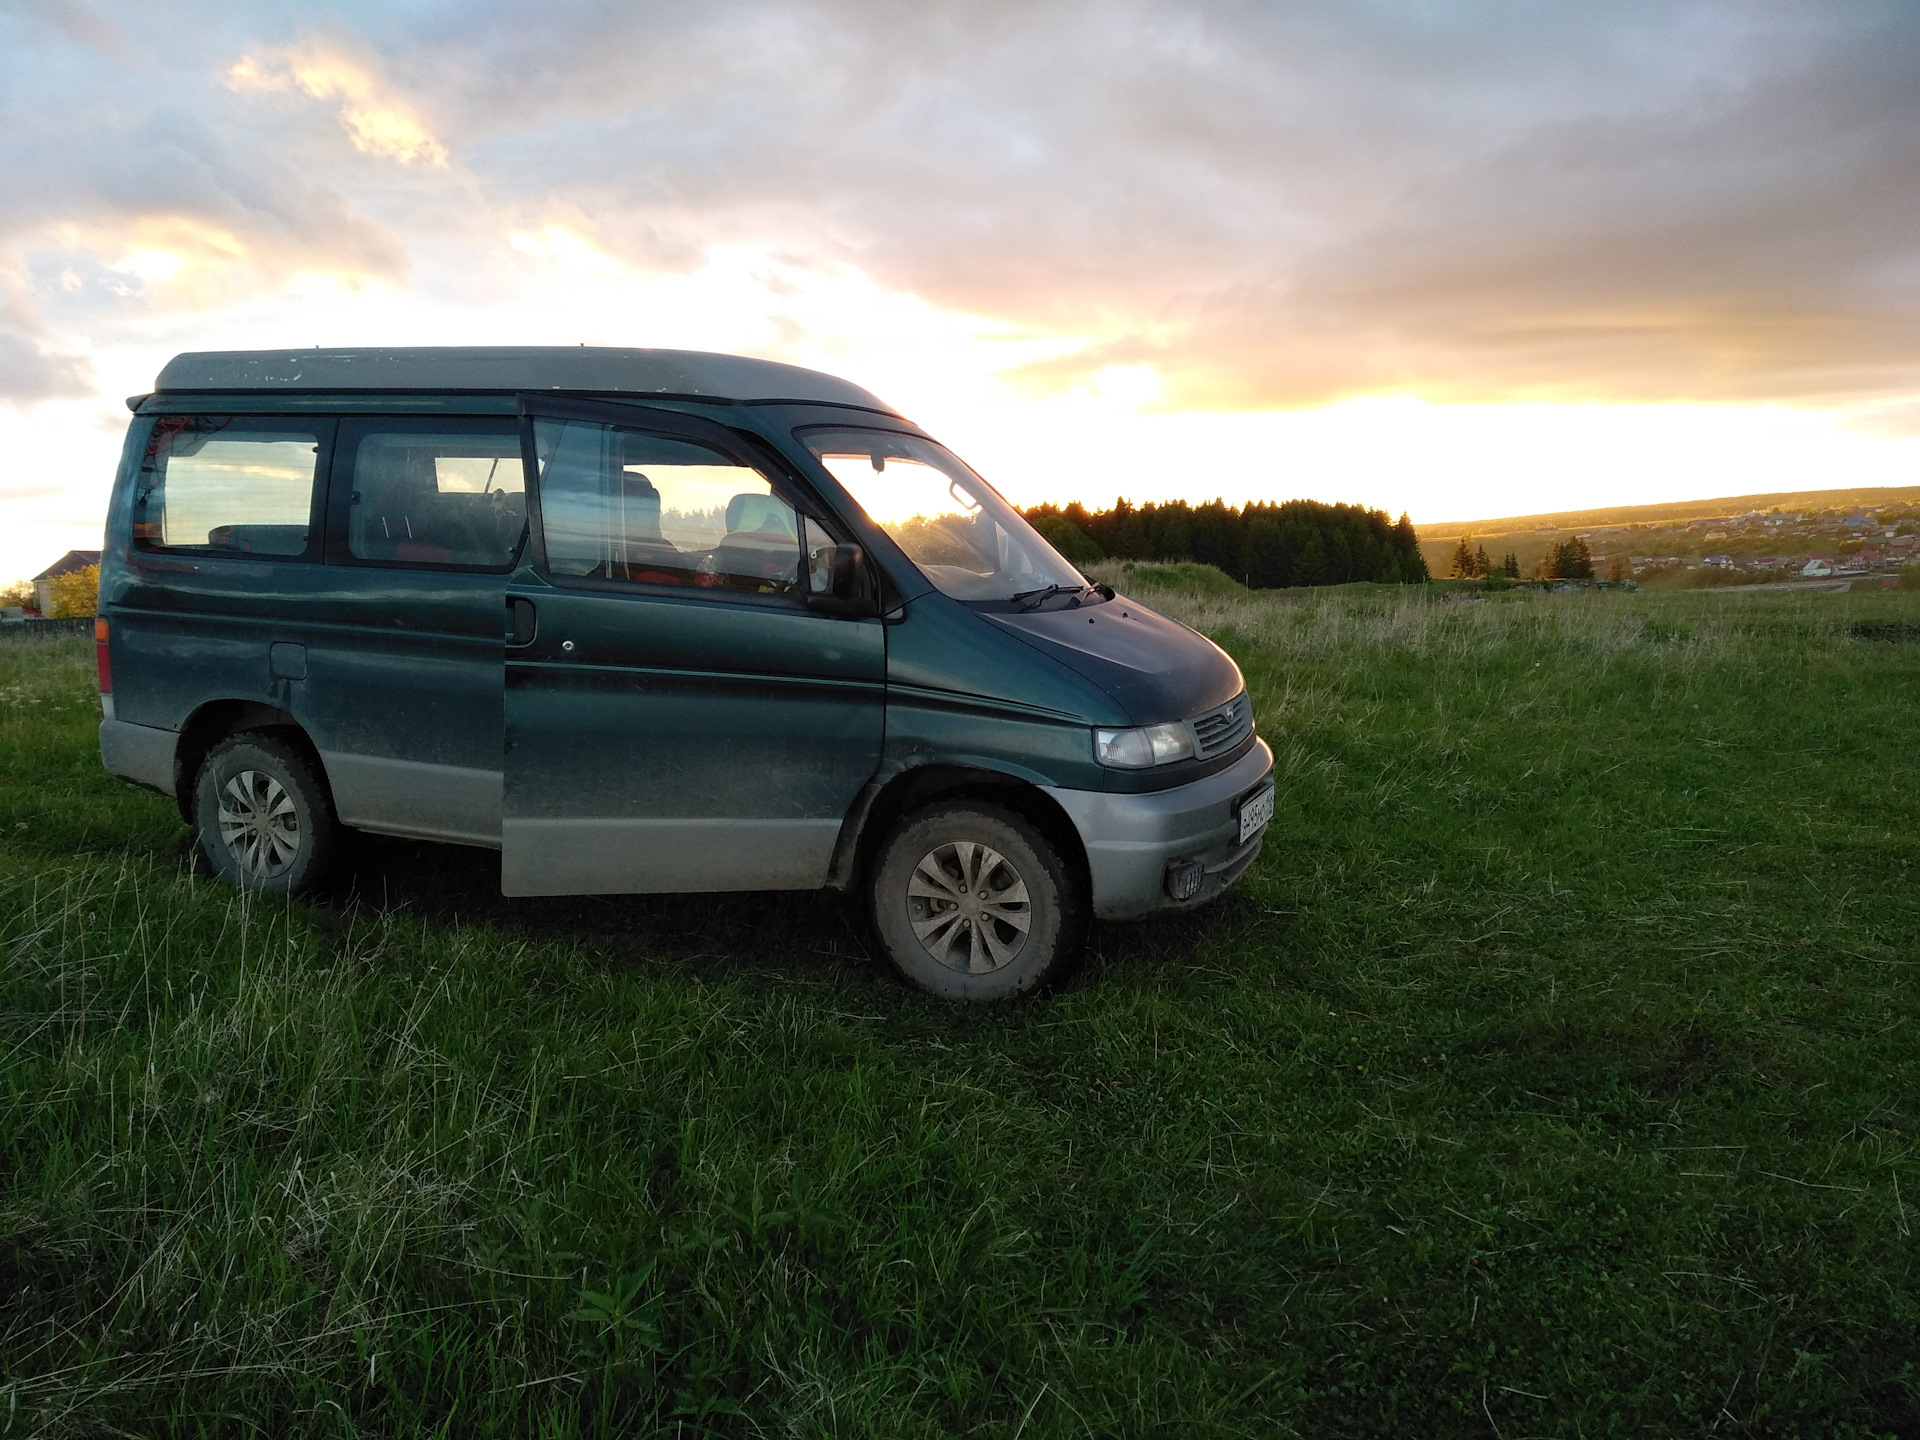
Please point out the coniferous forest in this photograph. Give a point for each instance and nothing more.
(1264, 546)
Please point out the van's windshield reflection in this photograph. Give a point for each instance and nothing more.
(962, 534)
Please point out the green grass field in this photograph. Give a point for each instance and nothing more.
(1554, 1073)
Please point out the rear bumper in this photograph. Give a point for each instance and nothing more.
(1130, 840)
(139, 753)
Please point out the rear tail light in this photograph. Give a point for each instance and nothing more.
(100, 660)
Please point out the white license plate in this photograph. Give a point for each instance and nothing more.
(1255, 811)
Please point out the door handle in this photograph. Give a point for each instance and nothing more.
(521, 621)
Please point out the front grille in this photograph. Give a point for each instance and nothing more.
(1218, 731)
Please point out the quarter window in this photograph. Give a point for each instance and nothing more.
(623, 505)
(226, 485)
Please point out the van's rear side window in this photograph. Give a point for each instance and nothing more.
(227, 485)
(446, 492)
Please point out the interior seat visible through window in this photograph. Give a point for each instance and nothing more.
(437, 498)
(392, 515)
(645, 553)
(625, 505)
(761, 546)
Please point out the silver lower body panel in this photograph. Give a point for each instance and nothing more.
(1130, 840)
(140, 753)
(415, 799)
(613, 856)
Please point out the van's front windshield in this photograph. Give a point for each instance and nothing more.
(964, 537)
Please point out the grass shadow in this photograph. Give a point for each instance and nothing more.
(790, 932)
(1178, 942)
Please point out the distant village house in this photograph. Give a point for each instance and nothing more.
(68, 563)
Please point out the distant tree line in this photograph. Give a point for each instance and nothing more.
(1568, 559)
(1264, 546)
(1473, 563)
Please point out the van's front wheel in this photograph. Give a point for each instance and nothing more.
(974, 903)
(262, 817)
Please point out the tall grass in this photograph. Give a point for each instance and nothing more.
(1552, 1073)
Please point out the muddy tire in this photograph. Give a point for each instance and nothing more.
(262, 817)
(973, 903)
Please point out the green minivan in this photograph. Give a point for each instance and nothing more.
(649, 621)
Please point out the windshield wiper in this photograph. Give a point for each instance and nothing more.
(1034, 599)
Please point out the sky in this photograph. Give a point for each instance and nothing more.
(1462, 259)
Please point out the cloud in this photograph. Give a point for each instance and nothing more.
(28, 370)
(130, 199)
(377, 122)
(1254, 205)
(29, 373)
(557, 245)
(76, 20)
(1276, 205)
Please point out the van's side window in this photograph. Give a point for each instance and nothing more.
(620, 504)
(452, 496)
(226, 485)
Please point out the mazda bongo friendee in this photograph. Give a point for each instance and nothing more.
(652, 621)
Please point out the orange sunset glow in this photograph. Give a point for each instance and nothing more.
(1462, 262)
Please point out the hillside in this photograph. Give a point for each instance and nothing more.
(1568, 521)
(1757, 536)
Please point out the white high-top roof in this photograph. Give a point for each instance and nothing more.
(510, 367)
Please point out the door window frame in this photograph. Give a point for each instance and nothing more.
(672, 425)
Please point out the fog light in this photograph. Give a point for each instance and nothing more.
(1184, 878)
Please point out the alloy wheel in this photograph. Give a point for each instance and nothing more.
(259, 824)
(969, 907)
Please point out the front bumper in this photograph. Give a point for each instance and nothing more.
(1130, 840)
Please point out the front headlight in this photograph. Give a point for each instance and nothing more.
(1145, 747)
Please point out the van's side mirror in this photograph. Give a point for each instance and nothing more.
(838, 582)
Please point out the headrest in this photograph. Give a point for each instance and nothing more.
(762, 513)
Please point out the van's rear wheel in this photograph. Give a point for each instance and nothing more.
(262, 816)
(974, 903)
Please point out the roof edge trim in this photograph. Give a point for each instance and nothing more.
(659, 374)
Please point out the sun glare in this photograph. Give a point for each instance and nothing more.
(966, 378)
(556, 245)
(153, 265)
